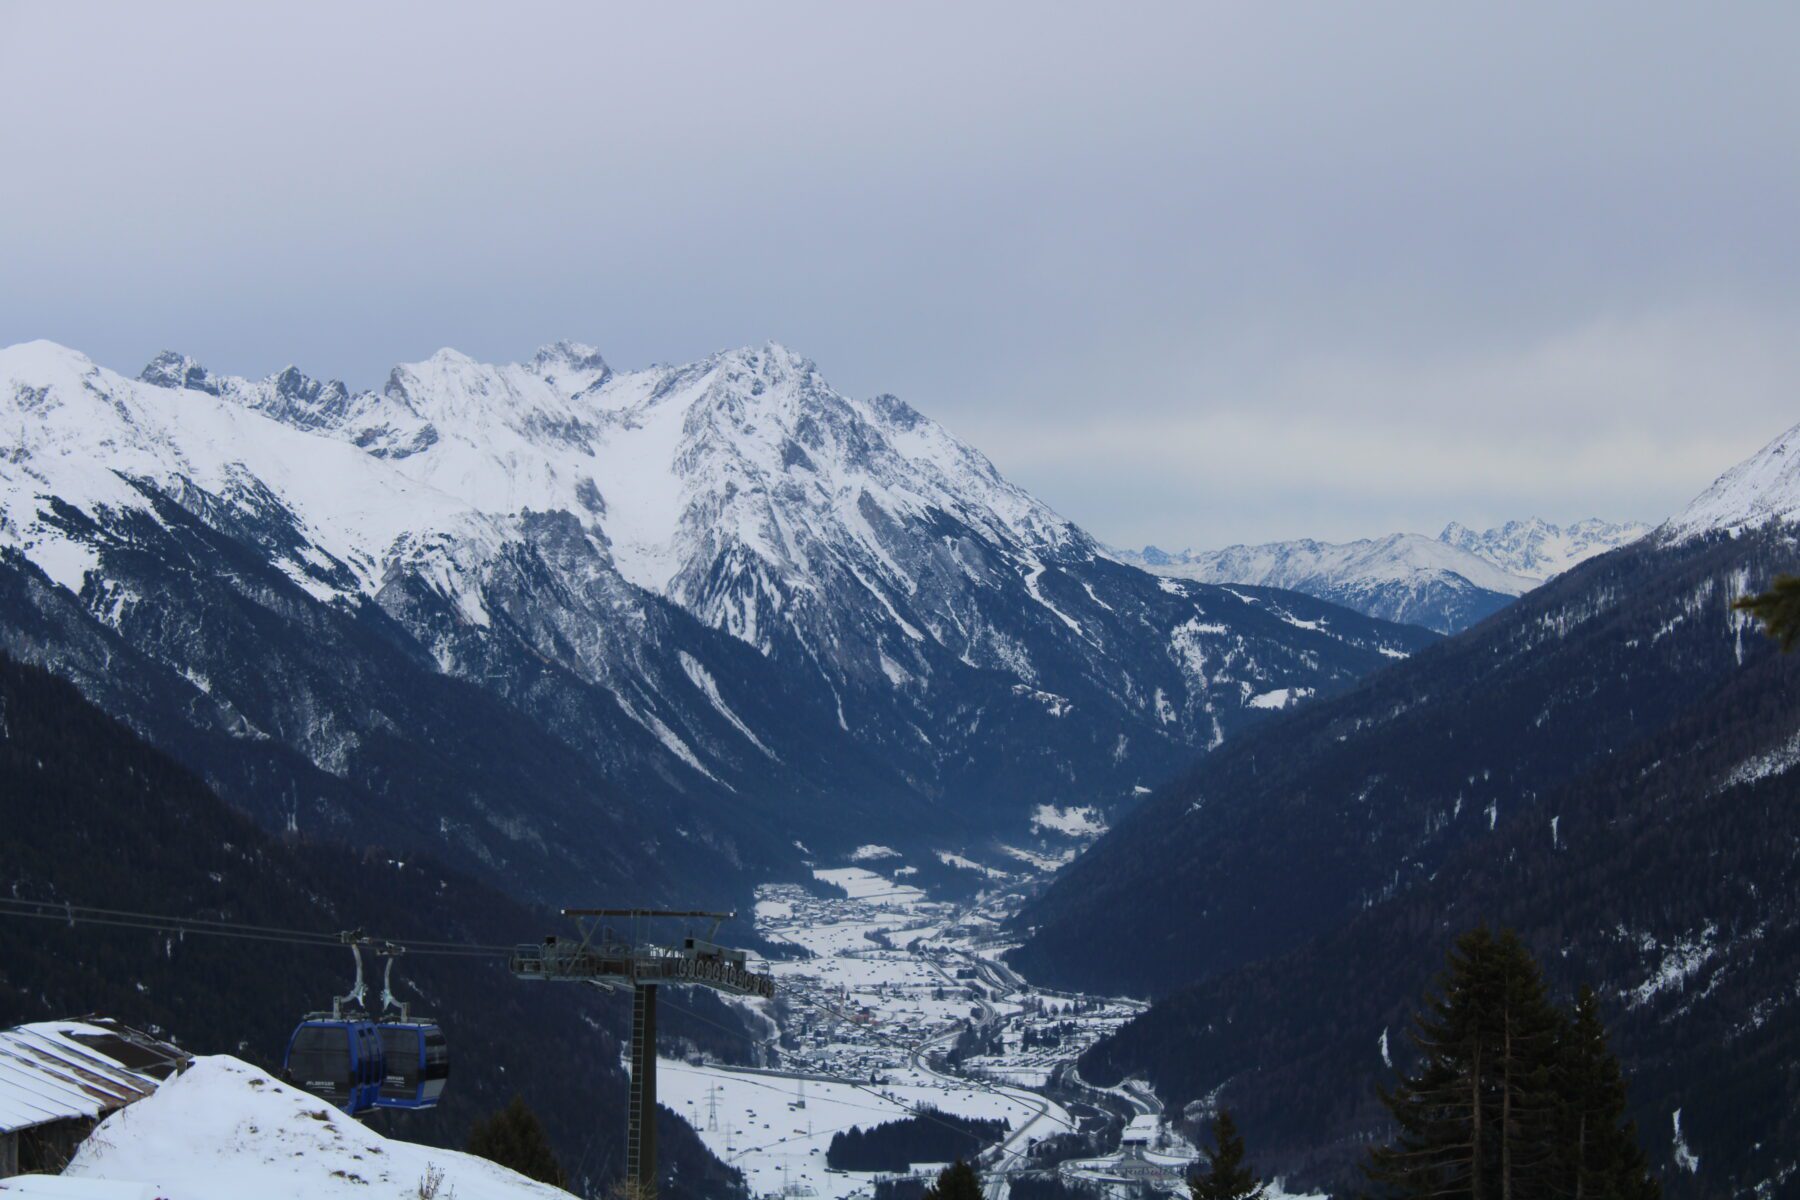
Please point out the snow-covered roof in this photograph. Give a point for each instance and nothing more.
(56, 1070)
(1142, 1128)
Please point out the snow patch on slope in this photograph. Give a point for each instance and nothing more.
(224, 1130)
(1071, 822)
(1781, 759)
(1280, 698)
(702, 679)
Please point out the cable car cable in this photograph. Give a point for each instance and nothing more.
(55, 910)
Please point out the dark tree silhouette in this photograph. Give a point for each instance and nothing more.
(1226, 1176)
(1597, 1147)
(513, 1137)
(1476, 1119)
(1513, 1100)
(1778, 609)
(957, 1181)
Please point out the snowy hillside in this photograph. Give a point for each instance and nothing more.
(1402, 577)
(1764, 487)
(722, 604)
(1537, 549)
(225, 1130)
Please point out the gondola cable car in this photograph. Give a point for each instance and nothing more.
(337, 1056)
(359, 1062)
(417, 1054)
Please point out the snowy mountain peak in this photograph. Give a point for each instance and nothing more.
(1764, 487)
(1444, 583)
(171, 369)
(1539, 549)
(559, 358)
(289, 395)
(41, 360)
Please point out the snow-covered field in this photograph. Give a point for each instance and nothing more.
(863, 884)
(776, 1129)
(225, 1130)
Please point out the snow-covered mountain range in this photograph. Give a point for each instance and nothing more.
(1445, 583)
(1537, 549)
(550, 611)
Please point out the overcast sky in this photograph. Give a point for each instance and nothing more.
(1194, 274)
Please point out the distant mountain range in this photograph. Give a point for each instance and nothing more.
(1607, 766)
(679, 629)
(1536, 549)
(1445, 584)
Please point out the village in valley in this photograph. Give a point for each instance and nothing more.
(892, 1003)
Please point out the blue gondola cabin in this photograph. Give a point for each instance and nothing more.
(339, 1061)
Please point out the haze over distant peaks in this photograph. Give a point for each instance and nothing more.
(1446, 583)
(1537, 549)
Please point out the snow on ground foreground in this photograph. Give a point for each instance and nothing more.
(225, 1130)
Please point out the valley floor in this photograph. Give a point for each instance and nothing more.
(865, 1027)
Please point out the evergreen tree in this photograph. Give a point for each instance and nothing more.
(1226, 1177)
(513, 1137)
(1778, 609)
(1598, 1156)
(957, 1181)
(1528, 1028)
(1478, 1118)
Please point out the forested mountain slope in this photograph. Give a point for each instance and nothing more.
(1666, 876)
(1606, 766)
(94, 816)
(1287, 832)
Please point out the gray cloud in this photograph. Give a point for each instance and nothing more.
(1194, 274)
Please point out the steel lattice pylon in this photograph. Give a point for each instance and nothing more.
(600, 957)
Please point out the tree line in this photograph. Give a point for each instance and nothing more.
(1513, 1097)
(929, 1136)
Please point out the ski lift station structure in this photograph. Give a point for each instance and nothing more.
(602, 958)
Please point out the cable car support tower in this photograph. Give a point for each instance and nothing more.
(602, 958)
